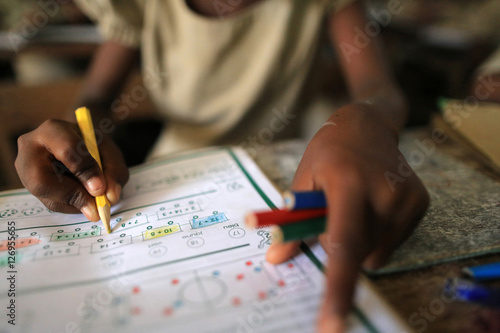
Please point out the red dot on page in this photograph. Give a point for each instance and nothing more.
(240, 276)
(262, 295)
(236, 301)
(175, 281)
(281, 283)
(168, 311)
(249, 263)
(136, 290)
(290, 265)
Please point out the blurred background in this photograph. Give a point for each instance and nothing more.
(435, 47)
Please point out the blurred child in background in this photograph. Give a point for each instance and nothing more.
(220, 72)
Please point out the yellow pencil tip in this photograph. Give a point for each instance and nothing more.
(105, 215)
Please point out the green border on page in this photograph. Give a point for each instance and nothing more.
(303, 246)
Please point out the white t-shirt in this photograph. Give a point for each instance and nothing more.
(219, 79)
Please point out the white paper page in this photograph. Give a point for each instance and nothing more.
(179, 258)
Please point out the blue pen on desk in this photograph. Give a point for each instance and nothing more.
(304, 200)
(469, 291)
(483, 272)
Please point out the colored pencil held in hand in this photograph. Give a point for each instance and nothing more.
(84, 121)
(304, 200)
(304, 217)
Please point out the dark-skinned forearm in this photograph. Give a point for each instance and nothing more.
(110, 66)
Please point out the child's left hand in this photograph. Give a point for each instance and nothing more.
(368, 214)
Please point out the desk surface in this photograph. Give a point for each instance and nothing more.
(418, 291)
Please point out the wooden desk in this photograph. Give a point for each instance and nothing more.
(415, 292)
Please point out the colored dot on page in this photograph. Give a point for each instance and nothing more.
(248, 263)
(240, 277)
(136, 290)
(236, 301)
(290, 265)
(168, 311)
(281, 283)
(175, 281)
(136, 310)
(262, 295)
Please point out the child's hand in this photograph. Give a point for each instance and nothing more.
(368, 217)
(54, 164)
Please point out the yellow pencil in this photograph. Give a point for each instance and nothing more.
(87, 128)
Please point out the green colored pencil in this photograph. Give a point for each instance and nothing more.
(300, 230)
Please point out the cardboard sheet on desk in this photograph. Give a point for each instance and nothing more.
(462, 221)
(478, 124)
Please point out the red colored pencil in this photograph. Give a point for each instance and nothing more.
(281, 217)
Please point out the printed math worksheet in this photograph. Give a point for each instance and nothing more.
(179, 259)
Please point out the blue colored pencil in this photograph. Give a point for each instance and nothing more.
(304, 200)
(470, 292)
(483, 272)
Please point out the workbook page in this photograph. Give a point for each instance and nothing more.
(179, 258)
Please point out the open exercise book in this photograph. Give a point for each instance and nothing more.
(179, 259)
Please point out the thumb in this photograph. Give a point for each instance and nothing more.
(278, 253)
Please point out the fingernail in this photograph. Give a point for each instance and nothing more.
(270, 255)
(113, 194)
(89, 213)
(94, 185)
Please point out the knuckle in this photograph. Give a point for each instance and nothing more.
(86, 170)
(419, 196)
(421, 201)
(388, 201)
(22, 141)
(18, 165)
(82, 166)
(69, 156)
(53, 206)
(51, 123)
(39, 189)
(76, 199)
(425, 199)
(34, 180)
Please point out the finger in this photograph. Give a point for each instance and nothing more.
(59, 207)
(115, 170)
(68, 209)
(44, 178)
(113, 189)
(346, 227)
(60, 193)
(279, 253)
(395, 236)
(64, 142)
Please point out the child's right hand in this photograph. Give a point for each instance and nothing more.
(54, 164)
